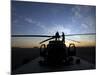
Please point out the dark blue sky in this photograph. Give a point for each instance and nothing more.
(46, 18)
(43, 18)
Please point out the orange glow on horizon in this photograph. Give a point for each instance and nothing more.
(82, 43)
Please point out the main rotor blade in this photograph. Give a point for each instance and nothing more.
(73, 40)
(30, 36)
(81, 34)
(47, 40)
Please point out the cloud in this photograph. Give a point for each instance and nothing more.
(36, 23)
(84, 18)
(89, 24)
(76, 11)
(29, 20)
(15, 21)
(80, 12)
(84, 26)
(47, 29)
(58, 27)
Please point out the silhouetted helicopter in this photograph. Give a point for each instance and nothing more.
(56, 53)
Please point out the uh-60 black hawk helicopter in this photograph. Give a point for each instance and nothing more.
(56, 53)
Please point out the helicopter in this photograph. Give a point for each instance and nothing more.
(55, 53)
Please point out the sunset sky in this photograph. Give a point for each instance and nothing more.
(46, 18)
